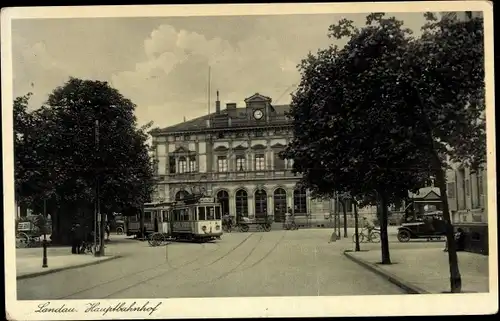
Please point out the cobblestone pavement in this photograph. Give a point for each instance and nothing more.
(276, 263)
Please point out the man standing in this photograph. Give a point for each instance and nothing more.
(288, 217)
(76, 239)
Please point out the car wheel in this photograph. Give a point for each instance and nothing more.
(403, 236)
(119, 230)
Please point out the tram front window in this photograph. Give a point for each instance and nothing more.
(218, 215)
(210, 213)
(201, 213)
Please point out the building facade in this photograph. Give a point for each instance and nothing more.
(468, 202)
(233, 155)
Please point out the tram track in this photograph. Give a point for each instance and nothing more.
(235, 269)
(177, 268)
(237, 266)
(131, 274)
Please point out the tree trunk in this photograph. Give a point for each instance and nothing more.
(102, 229)
(384, 238)
(344, 210)
(356, 226)
(438, 169)
(455, 277)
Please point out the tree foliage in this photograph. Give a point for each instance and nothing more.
(386, 112)
(85, 134)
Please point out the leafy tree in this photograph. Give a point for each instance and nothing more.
(443, 81)
(87, 143)
(350, 135)
(387, 111)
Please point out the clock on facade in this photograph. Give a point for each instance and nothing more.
(257, 114)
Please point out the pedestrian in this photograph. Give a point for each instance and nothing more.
(288, 217)
(108, 230)
(75, 239)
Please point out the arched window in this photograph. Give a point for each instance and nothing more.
(279, 205)
(241, 204)
(183, 165)
(300, 201)
(223, 198)
(180, 195)
(260, 203)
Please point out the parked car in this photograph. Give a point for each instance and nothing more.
(428, 226)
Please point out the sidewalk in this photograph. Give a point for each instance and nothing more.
(29, 261)
(427, 270)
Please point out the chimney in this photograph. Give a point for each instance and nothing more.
(217, 104)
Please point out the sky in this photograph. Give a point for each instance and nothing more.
(162, 64)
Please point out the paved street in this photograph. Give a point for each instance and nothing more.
(277, 263)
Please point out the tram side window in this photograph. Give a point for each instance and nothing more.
(164, 216)
(184, 215)
(201, 213)
(210, 213)
(218, 215)
(147, 216)
(177, 215)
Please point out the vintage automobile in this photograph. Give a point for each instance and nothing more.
(428, 226)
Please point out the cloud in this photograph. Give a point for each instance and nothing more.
(174, 73)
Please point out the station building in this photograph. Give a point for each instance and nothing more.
(233, 155)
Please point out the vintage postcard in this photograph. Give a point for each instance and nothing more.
(257, 160)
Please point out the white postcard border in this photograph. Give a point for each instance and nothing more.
(430, 304)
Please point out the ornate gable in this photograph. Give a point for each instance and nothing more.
(221, 149)
(432, 196)
(240, 147)
(258, 98)
(278, 146)
(259, 146)
(181, 150)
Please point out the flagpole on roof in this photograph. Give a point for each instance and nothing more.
(209, 89)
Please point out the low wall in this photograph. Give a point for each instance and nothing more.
(476, 237)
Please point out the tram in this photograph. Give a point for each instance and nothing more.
(194, 218)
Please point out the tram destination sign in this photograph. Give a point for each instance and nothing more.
(207, 200)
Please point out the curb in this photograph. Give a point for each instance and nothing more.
(36, 274)
(407, 286)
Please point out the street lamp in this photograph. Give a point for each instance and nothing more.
(44, 244)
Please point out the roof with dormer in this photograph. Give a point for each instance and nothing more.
(240, 117)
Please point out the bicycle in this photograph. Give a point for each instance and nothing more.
(373, 237)
(157, 239)
(266, 227)
(290, 226)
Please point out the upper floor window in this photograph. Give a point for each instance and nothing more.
(192, 164)
(451, 189)
(222, 163)
(240, 163)
(260, 162)
(480, 184)
(171, 165)
(278, 162)
(187, 137)
(240, 134)
(178, 138)
(183, 166)
(220, 135)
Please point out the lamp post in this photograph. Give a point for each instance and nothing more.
(44, 243)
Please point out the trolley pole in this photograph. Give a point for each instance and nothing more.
(44, 243)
